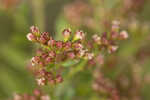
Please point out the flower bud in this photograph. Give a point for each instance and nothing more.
(35, 60)
(51, 42)
(35, 30)
(42, 39)
(79, 35)
(31, 37)
(67, 45)
(66, 33)
(59, 44)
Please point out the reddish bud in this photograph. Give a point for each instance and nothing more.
(51, 42)
(59, 44)
(34, 29)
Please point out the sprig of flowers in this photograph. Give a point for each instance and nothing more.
(36, 95)
(53, 53)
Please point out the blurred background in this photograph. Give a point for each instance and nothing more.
(128, 69)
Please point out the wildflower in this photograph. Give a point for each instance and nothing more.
(123, 35)
(54, 52)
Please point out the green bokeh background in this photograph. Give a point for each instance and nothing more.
(48, 15)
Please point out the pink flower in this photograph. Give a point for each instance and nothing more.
(35, 60)
(124, 35)
(31, 37)
(41, 81)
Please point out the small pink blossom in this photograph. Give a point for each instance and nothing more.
(41, 81)
(124, 35)
(31, 37)
(34, 29)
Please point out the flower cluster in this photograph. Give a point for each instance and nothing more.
(53, 53)
(104, 85)
(109, 41)
(37, 95)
